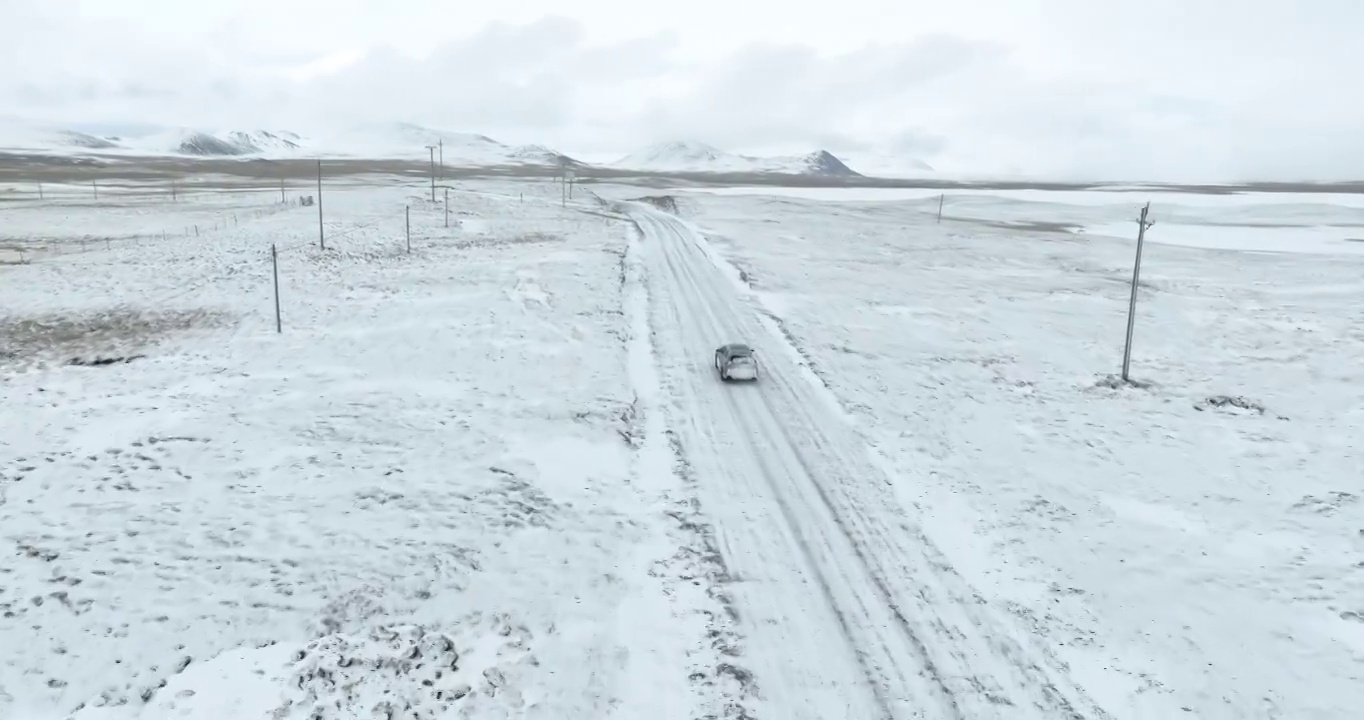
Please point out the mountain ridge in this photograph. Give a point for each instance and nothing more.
(697, 157)
(400, 141)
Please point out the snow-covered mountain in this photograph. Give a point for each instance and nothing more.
(407, 140)
(683, 157)
(381, 141)
(891, 164)
(695, 157)
(17, 134)
(199, 143)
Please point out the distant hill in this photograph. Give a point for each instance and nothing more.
(695, 157)
(390, 140)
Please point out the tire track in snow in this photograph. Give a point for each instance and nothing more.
(859, 613)
(724, 687)
(804, 670)
(930, 645)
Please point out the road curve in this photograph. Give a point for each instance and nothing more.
(847, 609)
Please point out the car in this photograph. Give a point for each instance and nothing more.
(735, 362)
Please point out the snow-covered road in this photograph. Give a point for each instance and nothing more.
(847, 607)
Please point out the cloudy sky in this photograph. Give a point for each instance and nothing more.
(1119, 89)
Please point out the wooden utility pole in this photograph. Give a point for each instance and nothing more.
(274, 265)
(447, 207)
(941, 198)
(1142, 224)
(432, 149)
(442, 158)
(321, 235)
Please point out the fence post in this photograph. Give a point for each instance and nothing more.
(941, 198)
(40, 190)
(447, 207)
(274, 267)
(94, 185)
(407, 226)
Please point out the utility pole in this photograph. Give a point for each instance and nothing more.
(1142, 224)
(432, 149)
(442, 158)
(321, 235)
(941, 198)
(40, 189)
(407, 226)
(447, 207)
(274, 268)
(281, 191)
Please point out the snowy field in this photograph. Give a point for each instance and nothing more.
(495, 476)
(1326, 223)
(1184, 558)
(419, 497)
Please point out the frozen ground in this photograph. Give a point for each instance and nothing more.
(441, 491)
(1177, 557)
(1327, 223)
(496, 477)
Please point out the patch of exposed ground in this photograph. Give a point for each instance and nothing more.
(115, 335)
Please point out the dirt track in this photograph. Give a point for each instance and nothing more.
(235, 172)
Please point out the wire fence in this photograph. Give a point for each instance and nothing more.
(229, 242)
(30, 249)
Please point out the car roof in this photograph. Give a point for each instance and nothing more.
(737, 349)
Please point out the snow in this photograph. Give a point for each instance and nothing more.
(406, 140)
(21, 134)
(682, 156)
(1315, 239)
(383, 140)
(439, 446)
(850, 612)
(1178, 557)
(694, 157)
(1327, 223)
(1077, 199)
(888, 164)
(497, 476)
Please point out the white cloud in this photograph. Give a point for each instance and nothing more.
(1193, 89)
